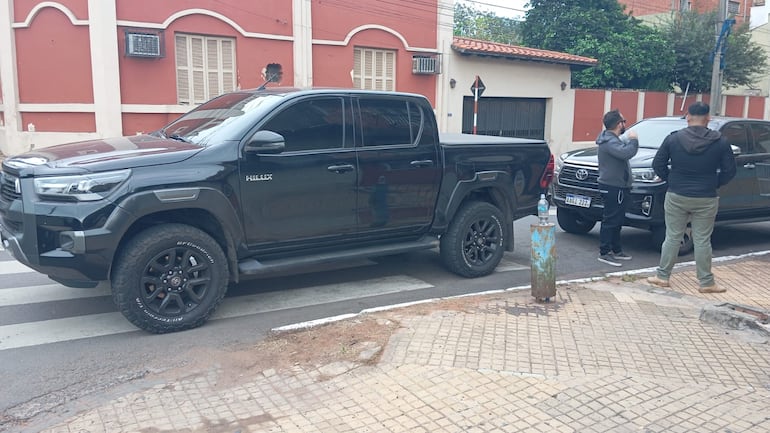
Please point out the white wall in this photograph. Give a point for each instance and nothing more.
(510, 78)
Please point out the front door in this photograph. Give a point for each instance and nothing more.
(305, 195)
(738, 195)
(760, 133)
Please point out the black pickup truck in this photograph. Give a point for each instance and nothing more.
(254, 182)
(745, 199)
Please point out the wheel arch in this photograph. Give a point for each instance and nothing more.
(211, 213)
(495, 188)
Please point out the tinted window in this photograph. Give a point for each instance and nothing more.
(737, 134)
(761, 133)
(389, 121)
(312, 124)
(653, 132)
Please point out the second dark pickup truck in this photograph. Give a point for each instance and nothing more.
(260, 181)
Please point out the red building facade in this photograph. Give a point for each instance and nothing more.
(119, 67)
(738, 9)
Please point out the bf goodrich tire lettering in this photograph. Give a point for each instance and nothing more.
(169, 278)
(473, 245)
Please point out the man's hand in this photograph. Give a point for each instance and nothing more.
(632, 135)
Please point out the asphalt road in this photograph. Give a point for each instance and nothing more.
(58, 344)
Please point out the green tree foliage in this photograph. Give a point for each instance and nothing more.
(691, 35)
(630, 54)
(473, 23)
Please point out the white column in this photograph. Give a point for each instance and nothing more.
(303, 43)
(640, 105)
(102, 27)
(444, 37)
(9, 133)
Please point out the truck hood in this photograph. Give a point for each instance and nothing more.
(102, 155)
(642, 159)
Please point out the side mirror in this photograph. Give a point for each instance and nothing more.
(736, 149)
(267, 142)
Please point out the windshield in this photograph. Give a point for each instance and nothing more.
(203, 122)
(652, 132)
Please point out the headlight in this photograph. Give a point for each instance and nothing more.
(87, 187)
(646, 175)
(560, 162)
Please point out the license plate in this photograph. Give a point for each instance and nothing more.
(578, 200)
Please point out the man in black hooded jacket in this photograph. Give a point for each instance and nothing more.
(700, 161)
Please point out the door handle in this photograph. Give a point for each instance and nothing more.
(342, 168)
(422, 163)
(749, 165)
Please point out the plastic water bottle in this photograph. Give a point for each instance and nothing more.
(542, 210)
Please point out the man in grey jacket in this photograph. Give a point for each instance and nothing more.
(614, 184)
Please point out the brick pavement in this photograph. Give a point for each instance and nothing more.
(614, 355)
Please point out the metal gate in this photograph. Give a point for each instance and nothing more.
(506, 117)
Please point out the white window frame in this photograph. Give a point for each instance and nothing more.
(374, 69)
(211, 73)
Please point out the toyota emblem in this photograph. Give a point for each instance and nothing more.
(581, 174)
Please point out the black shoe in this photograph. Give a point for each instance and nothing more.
(621, 256)
(608, 259)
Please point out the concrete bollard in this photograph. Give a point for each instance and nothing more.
(543, 262)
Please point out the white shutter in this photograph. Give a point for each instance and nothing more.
(182, 70)
(205, 67)
(374, 69)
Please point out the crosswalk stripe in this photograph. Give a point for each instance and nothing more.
(13, 267)
(48, 293)
(96, 325)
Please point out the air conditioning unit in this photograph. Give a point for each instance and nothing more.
(144, 44)
(426, 64)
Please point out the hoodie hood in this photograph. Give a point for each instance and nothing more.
(605, 136)
(696, 139)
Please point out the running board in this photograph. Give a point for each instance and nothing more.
(255, 267)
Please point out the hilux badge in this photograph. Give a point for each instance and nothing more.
(259, 177)
(581, 174)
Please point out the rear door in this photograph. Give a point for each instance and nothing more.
(399, 164)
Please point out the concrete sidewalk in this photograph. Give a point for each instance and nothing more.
(614, 355)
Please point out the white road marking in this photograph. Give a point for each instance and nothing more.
(96, 325)
(13, 267)
(48, 293)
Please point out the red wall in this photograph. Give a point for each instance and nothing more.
(263, 16)
(416, 21)
(734, 107)
(589, 109)
(756, 107)
(22, 8)
(627, 102)
(54, 60)
(589, 106)
(60, 122)
(654, 103)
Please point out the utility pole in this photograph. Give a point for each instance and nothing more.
(716, 70)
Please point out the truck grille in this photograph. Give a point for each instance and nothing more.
(585, 183)
(9, 187)
(584, 177)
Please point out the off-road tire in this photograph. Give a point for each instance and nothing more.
(685, 247)
(571, 222)
(169, 278)
(474, 244)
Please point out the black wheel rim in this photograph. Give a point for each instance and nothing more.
(481, 242)
(175, 281)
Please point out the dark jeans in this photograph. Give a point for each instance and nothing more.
(615, 200)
